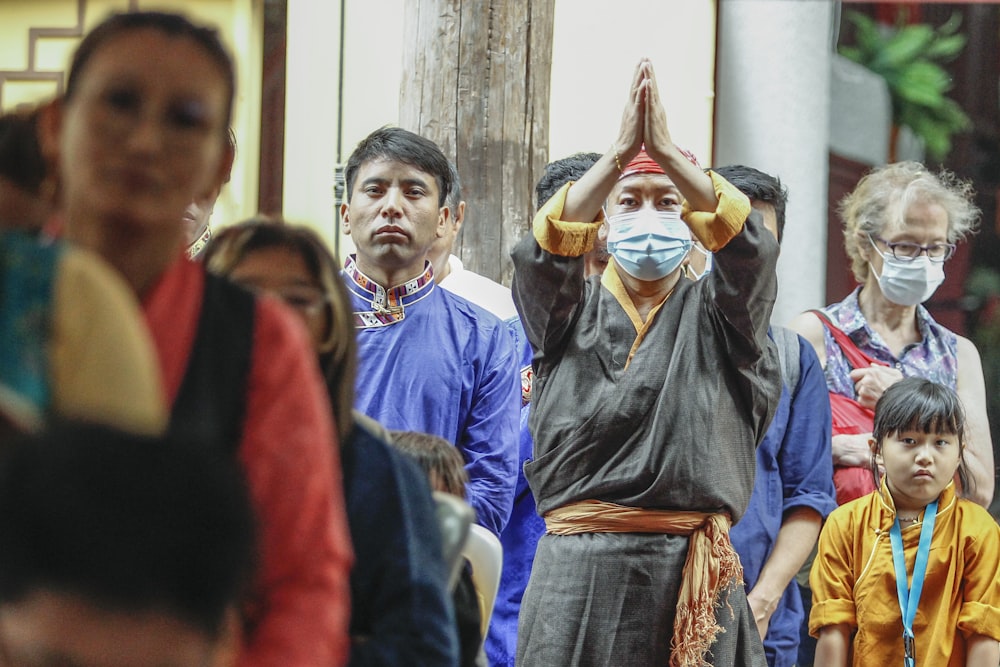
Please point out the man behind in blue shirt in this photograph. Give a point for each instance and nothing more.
(428, 360)
(793, 488)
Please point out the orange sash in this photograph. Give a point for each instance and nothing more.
(711, 567)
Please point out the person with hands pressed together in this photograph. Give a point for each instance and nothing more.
(650, 393)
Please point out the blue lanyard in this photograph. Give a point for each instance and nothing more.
(910, 598)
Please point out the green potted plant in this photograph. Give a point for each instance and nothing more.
(909, 58)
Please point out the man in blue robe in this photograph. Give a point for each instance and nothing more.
(429, 361)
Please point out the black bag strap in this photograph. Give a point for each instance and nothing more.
(211, 404)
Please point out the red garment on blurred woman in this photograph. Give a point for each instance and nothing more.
(301, 606)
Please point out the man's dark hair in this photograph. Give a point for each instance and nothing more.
(561, 172)
(173, 25)
(127, 523)
(455, 191)
(21, 160)
(394, 143)
(759, 186)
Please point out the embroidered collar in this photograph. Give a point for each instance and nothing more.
(195, 248)
(388, 305)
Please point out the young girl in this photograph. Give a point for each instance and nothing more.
(910, 570)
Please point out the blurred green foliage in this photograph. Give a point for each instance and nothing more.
(908, 57)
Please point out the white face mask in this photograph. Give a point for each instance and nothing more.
(708, 264)
(908, 283)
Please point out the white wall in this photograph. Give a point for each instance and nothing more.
(590, 79)
(595, 47)
(773, 114)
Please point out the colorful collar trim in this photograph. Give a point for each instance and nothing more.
(388, 305)
(195, 248)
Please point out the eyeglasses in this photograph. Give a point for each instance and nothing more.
(905, 251)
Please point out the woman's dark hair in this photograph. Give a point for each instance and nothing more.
(173, 25)
(916, 404)
(338, 353)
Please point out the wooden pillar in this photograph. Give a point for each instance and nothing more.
(272, 103)
(476, 81)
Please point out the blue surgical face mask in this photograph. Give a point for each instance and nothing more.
(648, 244)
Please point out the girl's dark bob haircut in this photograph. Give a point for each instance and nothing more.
(916, 404)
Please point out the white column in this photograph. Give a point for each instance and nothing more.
(311, 88)
(772, 113)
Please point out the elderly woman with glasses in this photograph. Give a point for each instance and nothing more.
(901, 223)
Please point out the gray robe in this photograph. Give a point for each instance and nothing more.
(676, 430)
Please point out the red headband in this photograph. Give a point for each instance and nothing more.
(643, 164)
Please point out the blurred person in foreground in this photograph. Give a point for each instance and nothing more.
(140, 132)
(72, 340)
(400, 612)
(119, 551)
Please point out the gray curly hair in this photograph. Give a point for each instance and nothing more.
(881, 198)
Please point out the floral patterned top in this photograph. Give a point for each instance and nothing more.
(934, 357)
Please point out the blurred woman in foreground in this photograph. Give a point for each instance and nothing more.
(140, 132)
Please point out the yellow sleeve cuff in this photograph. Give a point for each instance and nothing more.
(559, 237)
(716, 228)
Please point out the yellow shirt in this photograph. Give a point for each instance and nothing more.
(853, 580)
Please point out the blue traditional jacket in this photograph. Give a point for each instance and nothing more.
(433, 362)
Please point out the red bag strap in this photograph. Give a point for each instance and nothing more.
(855, 357)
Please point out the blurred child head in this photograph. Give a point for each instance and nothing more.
(437, 457)
(121, 550)
(919, 436)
